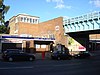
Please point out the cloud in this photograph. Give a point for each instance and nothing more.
(58, 1)
(48, 0)
(95, 2)
(59, 4)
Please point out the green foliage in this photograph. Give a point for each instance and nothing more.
(4, 29)
(3, 10)
(6, 9)
(70, 41)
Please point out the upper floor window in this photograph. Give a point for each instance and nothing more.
(30, 20)
(21, 18)
(27, 19)
(24, 19)
(51, 36)
(33, 21)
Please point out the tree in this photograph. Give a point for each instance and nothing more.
(3, 10)
(4, 29)
(70, 41)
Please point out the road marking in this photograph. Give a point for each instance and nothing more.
(8, 68)
(72, 64)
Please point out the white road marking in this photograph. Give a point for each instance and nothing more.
(8, 68)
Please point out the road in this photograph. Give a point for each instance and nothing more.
(52, 67)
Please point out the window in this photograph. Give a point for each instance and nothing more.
(30, 20)
(33, 20)
(27, 19)
(37, 46)
(43, 46)
(22, 19)
(51, 36)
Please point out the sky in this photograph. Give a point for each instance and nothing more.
(50, 9)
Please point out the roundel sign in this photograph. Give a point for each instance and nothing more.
(56, 28)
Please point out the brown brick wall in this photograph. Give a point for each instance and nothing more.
(42, 29)
(94, 36)
(48, 27)
(27, 28)
(12, 26)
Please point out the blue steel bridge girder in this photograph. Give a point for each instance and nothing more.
(87, 22)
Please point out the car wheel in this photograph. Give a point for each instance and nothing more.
(58, 58)
(31, 59)
(10, 59)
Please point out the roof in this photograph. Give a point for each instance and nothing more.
(23, 14)
(27, 15)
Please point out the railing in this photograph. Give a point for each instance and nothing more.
(82, 23)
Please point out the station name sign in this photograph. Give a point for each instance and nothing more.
(27, 38)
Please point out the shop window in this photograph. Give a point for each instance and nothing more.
(37, 46)
(43, 46)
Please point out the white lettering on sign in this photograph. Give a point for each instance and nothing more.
(12, 41)
(82, 48)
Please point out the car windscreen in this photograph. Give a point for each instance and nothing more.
(13, 51)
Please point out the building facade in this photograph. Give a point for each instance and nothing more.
(30, 35)
(28, 27)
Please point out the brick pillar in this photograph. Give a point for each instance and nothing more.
(32, 48)
(24, 45)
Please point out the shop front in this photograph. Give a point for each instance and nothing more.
(27, 44)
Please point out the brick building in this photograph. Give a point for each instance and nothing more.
(29, 27)
(26, 32)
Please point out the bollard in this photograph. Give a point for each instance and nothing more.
(43, 55)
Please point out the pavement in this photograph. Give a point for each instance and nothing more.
(40, 55)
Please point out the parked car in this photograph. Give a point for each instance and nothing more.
(82, 54)
(16, 54)
(58, 55)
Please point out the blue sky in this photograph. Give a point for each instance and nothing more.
(49, 9)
